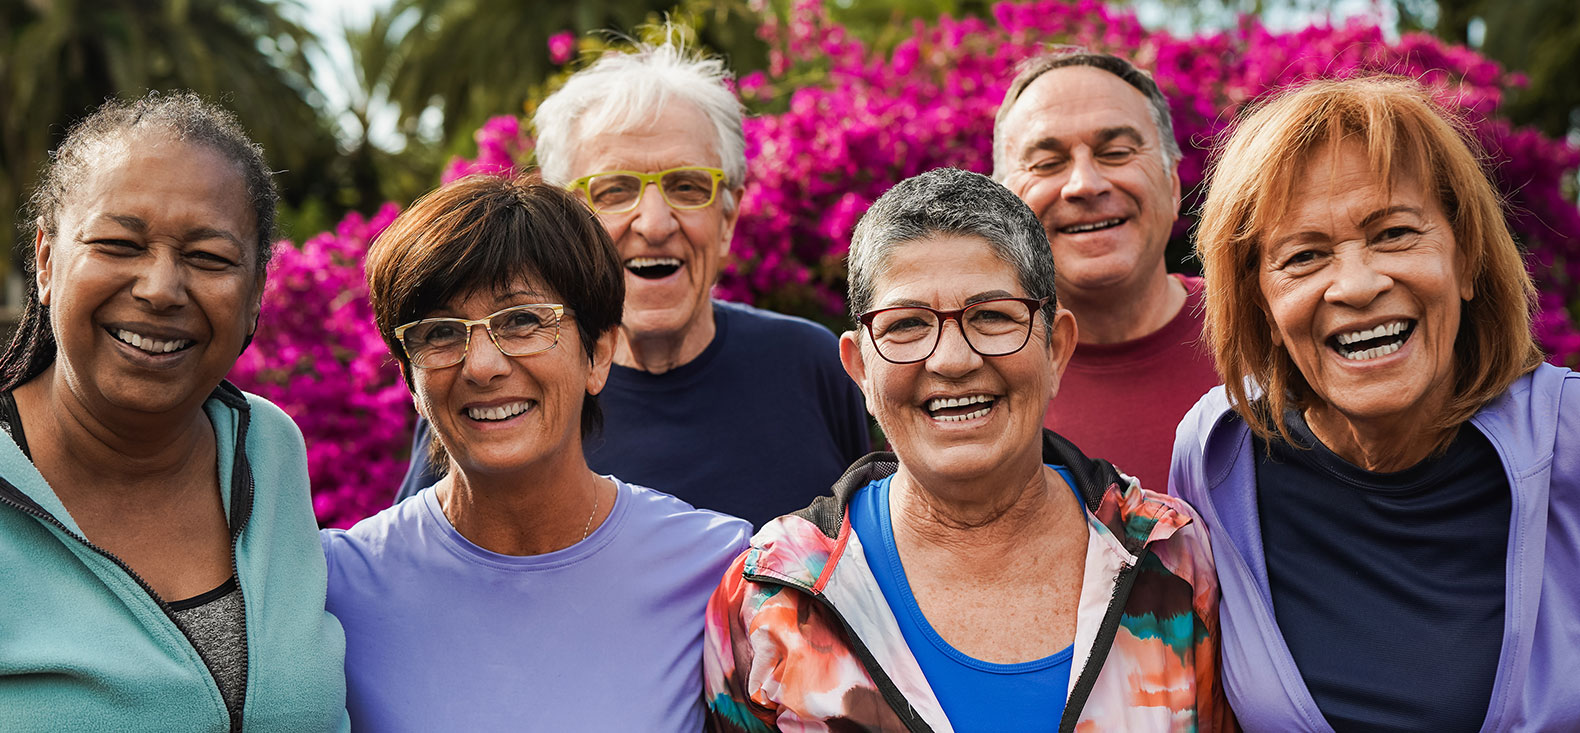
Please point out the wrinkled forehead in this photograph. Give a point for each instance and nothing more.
(1391, 165)
(625, 132)
(1073, 102)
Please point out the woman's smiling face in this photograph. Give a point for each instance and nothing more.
(151, 278)
(1363, 285)
(957, 414)
(498, 414)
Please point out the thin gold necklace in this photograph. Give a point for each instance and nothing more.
(587, 530)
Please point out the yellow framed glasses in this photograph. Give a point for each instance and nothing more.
(617, 192)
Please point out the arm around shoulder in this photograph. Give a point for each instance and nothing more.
(729, 657)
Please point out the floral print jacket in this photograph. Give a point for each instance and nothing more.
(799, 637)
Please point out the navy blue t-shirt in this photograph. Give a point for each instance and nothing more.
(763, 420)
(1388, 587)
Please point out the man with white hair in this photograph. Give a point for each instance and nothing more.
(726, 406)
(1085, 139)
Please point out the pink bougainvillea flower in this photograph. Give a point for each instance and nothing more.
(562, 46)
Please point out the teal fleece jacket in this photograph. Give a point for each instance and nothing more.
(86, 646)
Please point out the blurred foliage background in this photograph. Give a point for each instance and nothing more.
(429, 72)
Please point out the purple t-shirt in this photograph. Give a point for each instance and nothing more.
(603, 635)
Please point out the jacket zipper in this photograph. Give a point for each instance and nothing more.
(241, 494)
(891, 693)
(1102, 644)
(9, 494)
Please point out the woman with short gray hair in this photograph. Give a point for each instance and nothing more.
(985, 575)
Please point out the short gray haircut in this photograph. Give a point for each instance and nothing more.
(951, 202)
(624, 91)
(1033, 68)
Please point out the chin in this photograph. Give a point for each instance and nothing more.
(659, 322)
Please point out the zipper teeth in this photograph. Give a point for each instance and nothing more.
(46, 516)
(1101, 645)
(891, 692)
(246, 647)
(241, 515)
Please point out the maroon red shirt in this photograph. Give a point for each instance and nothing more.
(1122, 401)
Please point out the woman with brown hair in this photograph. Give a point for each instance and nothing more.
(522, 588)
(1390, 473)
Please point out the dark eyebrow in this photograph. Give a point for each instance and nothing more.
(195, 234)
(133, 223)
(1109, 134)
(1372, 218)
(989, 295)
(1049, 144)
(1381, 213)
(1103, 137)
(971, 300)
(198, 234)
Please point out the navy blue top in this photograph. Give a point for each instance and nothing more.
(763, 420)
(977, 696)
(1388, 587)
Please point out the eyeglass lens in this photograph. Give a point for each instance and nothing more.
(517, 331)
(992, 328)
(683, 189)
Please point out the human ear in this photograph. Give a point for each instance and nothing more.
(730, 219)
(1174, 188)
(855, 365)
(1467, 283)
(1061, 344)
(43, 249)
(602, 357)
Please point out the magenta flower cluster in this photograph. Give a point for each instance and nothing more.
(318, 356)
(872, 119)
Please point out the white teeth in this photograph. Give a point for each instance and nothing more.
(1372, 353)
(652, 262)
(1387, 329)
(1078, 228)
(149, 344)
(939, 403)
(963, 418)
(497, 412)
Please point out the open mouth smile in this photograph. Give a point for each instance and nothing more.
(1095, 226)
(498, 413)
(149, 344)
(960, 409)
(1372, 343)
(653, 268)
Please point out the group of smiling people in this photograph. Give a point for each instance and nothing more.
(1389, 469)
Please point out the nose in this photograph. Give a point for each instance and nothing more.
(655, 220)
(161, 281)
(1356, 280)
(953, 357)
(484, 361)
(1086, 177)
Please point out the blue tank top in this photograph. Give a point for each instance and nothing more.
(976, 695)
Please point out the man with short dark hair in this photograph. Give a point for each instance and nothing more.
(1085, 139)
